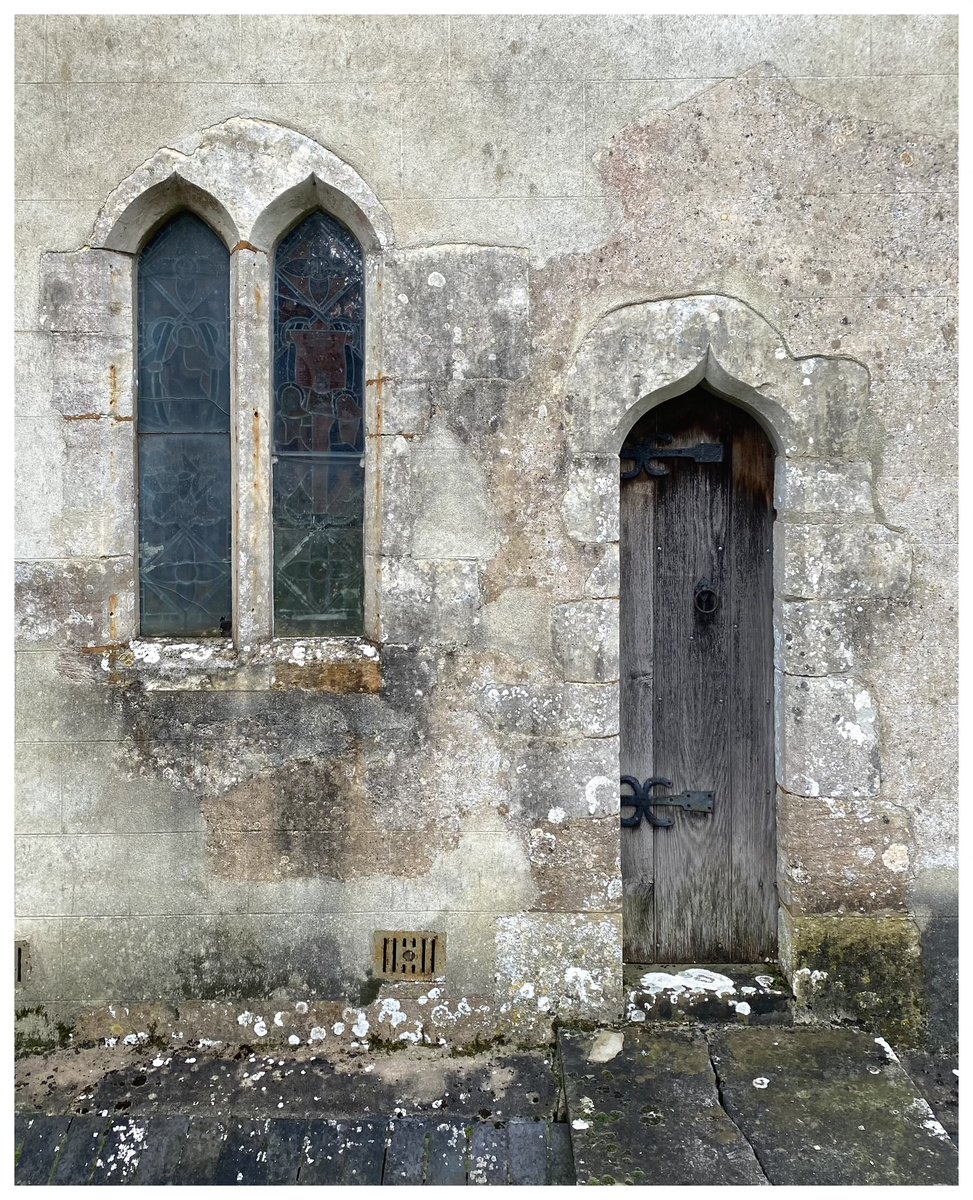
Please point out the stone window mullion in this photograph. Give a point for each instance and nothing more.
(251, 404)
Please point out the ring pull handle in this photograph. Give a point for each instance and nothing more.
(705, 597)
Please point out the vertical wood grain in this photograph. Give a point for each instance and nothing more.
(635, 712)
(695, 689)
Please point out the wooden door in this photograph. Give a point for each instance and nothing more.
(697, 683)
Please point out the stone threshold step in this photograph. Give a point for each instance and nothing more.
(741, 994)
(652, 1104)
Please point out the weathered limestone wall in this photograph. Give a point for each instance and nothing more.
(199, 824)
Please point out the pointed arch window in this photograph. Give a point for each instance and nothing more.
(183, 431)
(319, 430)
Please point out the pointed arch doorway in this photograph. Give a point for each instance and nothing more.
(697, 686)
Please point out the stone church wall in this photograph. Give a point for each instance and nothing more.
(563, 218)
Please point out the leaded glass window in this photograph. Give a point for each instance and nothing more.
(183, 428)
(319, 434)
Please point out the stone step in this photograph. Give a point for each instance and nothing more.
(654, 1104)
(161, 1150)
(755, 994)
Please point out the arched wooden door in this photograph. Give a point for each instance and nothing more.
(697, 689)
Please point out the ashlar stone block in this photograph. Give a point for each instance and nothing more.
(828, 738)
(518, 622)
(429, 602)
(87, 291)
(585, 639)
(852, 562)
(838, 856)
(826, 489)
(829, 637)
(590, 504)
(457, 312)
(77, 601)
(92, 375)
(604, 581)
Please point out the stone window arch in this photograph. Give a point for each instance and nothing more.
(251, 182)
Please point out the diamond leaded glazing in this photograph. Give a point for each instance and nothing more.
(319, 434)
(183, 420)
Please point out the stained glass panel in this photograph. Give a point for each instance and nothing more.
(319, 432)
(183, 417)
(184, 533)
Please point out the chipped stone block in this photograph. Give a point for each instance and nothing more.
(575, 864)
(458, 313)
(823, 488)
(518, 622)
(429, 602)
(590, 504)
(842, 856)
(585, 640)
(566, 964)
(87, 291)
(828, 738)
(76, 601)
(822, 562)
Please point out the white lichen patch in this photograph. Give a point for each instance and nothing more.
(694, 980)
(761, 1082)
(896, 857)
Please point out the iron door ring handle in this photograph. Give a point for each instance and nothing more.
(705, 598)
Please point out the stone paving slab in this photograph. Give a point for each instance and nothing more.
(649, 1111)
(830, 1107)
(197, 1151)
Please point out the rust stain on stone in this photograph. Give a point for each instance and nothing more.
(82, 416)
(245, 246)
(378, 383)
(338, 678)
(258, 299)
(113, 386)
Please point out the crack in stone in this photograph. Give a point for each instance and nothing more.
(719, 1093)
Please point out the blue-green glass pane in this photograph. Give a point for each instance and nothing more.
(319, 332)
(184, 534)
(318, 545)
(184, 330)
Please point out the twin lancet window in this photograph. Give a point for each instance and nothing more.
(184, 427)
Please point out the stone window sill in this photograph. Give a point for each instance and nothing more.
(340, 665)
